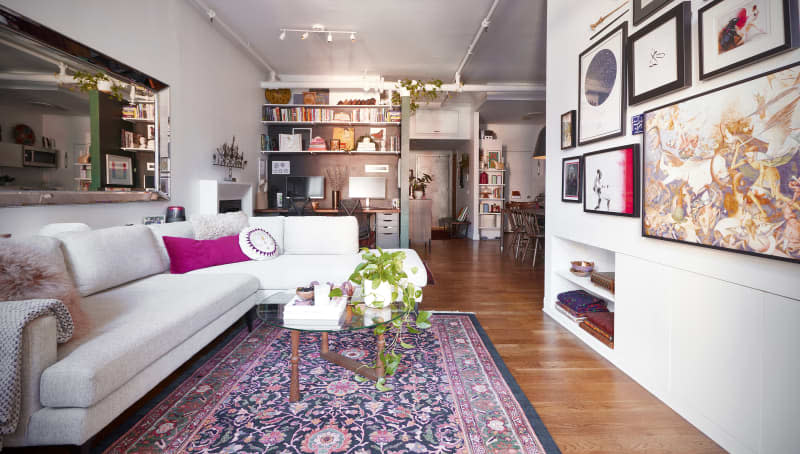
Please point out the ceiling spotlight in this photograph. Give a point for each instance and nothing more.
(282, 35)
(304, 35)
(352, 37)
(330, 37)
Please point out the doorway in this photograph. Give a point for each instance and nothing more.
(440, 190)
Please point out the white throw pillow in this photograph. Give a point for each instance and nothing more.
(258, 244)
(213, 226)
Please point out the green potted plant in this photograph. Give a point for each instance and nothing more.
(417, 91)
(98, 81)
(383, 282)
(418, 184)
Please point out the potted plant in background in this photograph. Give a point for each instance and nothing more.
(418, 184)
(383, 282)
(417, 91)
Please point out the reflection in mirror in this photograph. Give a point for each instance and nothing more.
(76, 126)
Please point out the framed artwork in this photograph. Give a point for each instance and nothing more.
(736, 33)
(571, 179)
(346, 138)
(642, 9)
(305, 143)
(722, 168)
(611, 181)
(281, 167)
(568, 130)
(119, 170)
(601, 88)
(660, 55)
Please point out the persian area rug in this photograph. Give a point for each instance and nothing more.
(452, 394)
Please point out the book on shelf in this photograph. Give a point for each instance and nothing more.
(329, 114)
(139, 112)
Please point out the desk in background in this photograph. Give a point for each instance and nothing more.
(387, 222)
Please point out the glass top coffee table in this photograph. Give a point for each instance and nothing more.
(270, 311)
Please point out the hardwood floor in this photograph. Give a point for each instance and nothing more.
(587, 404)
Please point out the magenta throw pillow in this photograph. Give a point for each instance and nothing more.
(186, 254)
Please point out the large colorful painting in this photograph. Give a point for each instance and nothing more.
(722, 169)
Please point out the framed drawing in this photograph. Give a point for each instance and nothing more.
(571, 179)
(611, 181)
(119, 170)
(660, 55)
(601, 88)
(722, 168)
(568, 130)
(642, 9)
(736, 33)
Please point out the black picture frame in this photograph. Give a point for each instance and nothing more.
(572, 138)
(791, 39)
(623, 29)
(682, 13)
(635, 183)
(640, 14)
(564, 163)
(644, 163)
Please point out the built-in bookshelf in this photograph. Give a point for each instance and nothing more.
(491, 197)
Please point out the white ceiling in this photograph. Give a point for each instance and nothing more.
(417, 39)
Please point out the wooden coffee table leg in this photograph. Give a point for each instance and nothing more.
(294, 387)
(323, 346)
(378, 361)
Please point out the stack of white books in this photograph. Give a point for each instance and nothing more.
(322, 316)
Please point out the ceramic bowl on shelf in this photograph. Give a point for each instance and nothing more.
(581, 268)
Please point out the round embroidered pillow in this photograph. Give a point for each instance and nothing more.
(258, 244)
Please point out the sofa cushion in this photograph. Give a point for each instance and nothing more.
(258, 244)
(186, 254)
(105, 258)
(63, 227)
(273, 225)
(134, 325)
(289, 271)
(177, 229)
(320, 235)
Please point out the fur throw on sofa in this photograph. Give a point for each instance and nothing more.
(34, 268)
(213, 226)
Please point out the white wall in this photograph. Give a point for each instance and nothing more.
(713, 343)
(213, 88)
(519, 140)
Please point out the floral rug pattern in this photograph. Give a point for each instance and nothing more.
(448, 397)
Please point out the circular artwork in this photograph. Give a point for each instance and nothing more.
(23, 134)
(258, 244)
(600, 77)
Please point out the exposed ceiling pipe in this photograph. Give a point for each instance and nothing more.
(484, 27)
(358, 83)
(212, 16)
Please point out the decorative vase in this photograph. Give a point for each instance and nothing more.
(336, 196)
(418, 195)
(377, 297)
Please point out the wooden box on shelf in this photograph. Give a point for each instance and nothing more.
(603, 279)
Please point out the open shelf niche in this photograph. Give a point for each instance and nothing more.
(564, 252)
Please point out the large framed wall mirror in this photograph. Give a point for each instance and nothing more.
(76, 125)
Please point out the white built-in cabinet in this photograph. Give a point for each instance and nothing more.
(440, 123)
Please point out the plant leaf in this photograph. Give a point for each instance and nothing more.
(381, 385)
(414, 269)
(406, 345)
(335, 292)
(359, 378)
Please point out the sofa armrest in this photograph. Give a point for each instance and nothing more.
(39, 351)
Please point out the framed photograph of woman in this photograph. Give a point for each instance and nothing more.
(660, 55)
(571, 179)
(611, 181)
(601, 88)
(736, 33)
(568, 130)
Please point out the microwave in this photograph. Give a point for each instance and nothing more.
(39, 157)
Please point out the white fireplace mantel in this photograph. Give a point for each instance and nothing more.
(208, 193)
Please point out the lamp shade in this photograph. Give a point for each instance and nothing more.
(541, 149)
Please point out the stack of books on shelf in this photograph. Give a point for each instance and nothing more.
(329, 114)
(576, 304)
(601, 326)
(304, 313)
(139, 112)
(130, 139)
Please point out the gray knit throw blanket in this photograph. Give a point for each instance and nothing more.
(14, 315)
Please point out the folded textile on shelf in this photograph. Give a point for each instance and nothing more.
(580, 302)
(602, 322)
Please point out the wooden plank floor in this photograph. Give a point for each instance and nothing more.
(587, 404)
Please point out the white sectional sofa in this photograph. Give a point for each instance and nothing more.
(145, 322)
